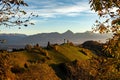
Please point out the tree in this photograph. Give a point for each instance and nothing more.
(28, 47)
(11, 13)
(109, 10)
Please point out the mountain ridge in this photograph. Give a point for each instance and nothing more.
(53, 38)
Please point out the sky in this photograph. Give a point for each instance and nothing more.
(56, 16)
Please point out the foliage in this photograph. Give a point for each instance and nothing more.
(97, 68)
(109, 10)
(112, 47)
(14, 67)
(107, 68)
(78, 70)
(38, 72)
(11, 14)
(5, 66)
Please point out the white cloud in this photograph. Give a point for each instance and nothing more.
(73, 14)
(70, 9)
(48, 9)
(38, 21)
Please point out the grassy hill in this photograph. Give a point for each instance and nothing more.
(63, 53)
(24, 61)
(56, 62)
(66, 53)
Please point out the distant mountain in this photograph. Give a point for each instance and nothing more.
(68, 32)
(12, 38)
(54, 37)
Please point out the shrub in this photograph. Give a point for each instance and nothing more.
(28, 47)
(17, 69)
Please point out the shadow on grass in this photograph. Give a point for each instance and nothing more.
(60, 70)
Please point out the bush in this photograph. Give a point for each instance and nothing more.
(17, 69)
(28, 47)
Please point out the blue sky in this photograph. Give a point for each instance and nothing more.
(57, 16)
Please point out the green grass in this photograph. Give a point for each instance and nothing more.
(72, 52)
(22, 57)
(57, 57)
(66, 53)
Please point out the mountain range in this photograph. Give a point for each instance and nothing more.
(20, 40)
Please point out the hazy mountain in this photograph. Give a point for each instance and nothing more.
(54, 37)
(12, 38)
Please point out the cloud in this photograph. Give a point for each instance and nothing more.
(54, 8)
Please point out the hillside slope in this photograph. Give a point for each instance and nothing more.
(58, 62)
(66, 53)
(36, 64)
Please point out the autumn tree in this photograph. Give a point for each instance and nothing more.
(11, 13)
(109, 11)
